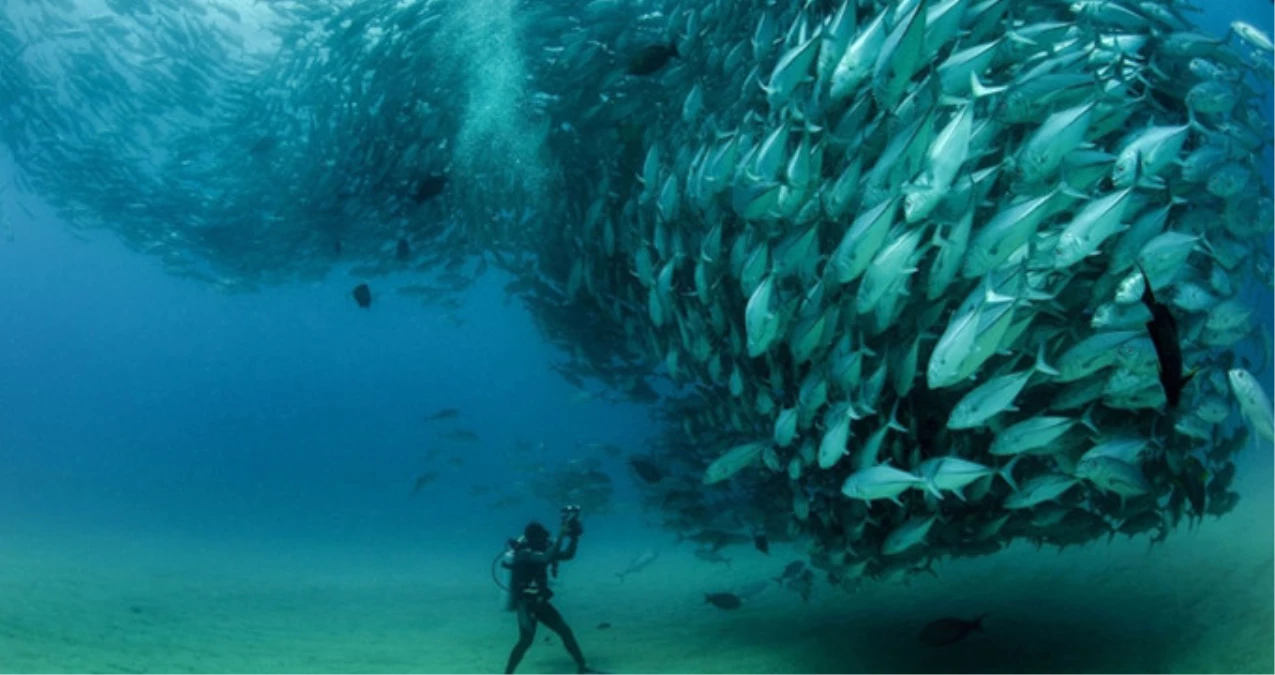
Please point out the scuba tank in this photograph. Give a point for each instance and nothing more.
(505, 559)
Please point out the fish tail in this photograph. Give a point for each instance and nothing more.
(1148, 296)
(1087, 419)
(980, 90)
(1042, 365)
(1007, 472)
(931, 488)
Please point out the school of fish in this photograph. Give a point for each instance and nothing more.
(902, 280)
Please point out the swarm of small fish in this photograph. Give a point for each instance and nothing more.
(926, 276)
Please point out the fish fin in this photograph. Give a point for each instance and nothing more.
(1087, 418)
(894, 417)
(1070, 191)
(1007, 472)
(933, 489)
(1186, 379)
(982, 91)
(993, 297)
(1043, 366)
(1015, 37)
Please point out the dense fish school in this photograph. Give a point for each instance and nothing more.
(904, 280)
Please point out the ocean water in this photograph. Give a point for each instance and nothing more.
(197, 481)
(201, 483)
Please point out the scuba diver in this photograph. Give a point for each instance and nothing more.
(530, 560)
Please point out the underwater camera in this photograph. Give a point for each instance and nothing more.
(570, 512)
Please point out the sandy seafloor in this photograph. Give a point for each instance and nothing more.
(139, 601)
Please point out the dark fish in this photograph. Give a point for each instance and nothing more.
(761, 542)
(429, 187)
(507, 502)
(723, 600)
(790, 571)
(403, 251)
(949, 631)
(751, 590)
(423, 481)
(651, 59)
(461, 436)
(571, 378)
(263, 146)
(444, 414)
(1194, 482)
(803, 584)
(717, 539)
(711, 556)
(1168, 349)
(604, 625)
(646, 470)
(641, 562)
(363, 296)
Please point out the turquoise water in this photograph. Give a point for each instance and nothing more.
(199, 480)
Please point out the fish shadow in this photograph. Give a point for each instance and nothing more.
(1012, 643)
(1053, 635)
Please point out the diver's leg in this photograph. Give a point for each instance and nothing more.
(526, 635)
(551, 618)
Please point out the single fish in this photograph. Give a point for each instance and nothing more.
(443, 414)
(423, 481)
(751, 590)
(429, 187)
(1255, 405)
(641, 562)
(761, 542)
(727, 601)
(461, 436)
(791, 570)
(711, 555)
(646, 469)
(651, 59)
(949, 631)
(363, 295)
(1163, 329)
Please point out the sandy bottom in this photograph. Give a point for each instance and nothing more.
(142, 602)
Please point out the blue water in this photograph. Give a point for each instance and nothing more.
(128, 395)
(132, 401)
(131, 397)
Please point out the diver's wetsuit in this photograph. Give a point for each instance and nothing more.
(529, 587)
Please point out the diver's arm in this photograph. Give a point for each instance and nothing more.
(570, 551)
